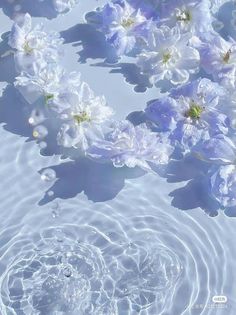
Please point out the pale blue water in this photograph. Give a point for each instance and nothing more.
(98, 240)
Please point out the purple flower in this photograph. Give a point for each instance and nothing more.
(122, 25)
(132, 146)
(189, 114)
(218, 58)
(223, 184)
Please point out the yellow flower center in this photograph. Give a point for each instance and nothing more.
(194, 111)
(184, 16)
(166, 57)
(27, 48)
(82, 117)
(226, 56)
(49, 97)
(127, 23)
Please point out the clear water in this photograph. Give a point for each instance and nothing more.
(84, 238)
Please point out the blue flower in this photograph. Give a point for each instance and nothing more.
(132, 146)
(189, 114)
(223, 184)
(63, 6)
(122, 25)
(218, 150)
(218, 58)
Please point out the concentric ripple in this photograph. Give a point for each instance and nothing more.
(56, 275)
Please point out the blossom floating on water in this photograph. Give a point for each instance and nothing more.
(51, 82)
(223, 185)
(132, 146)
(218, 58)
(33, 44)
(189, 15)
(63, 6)
(84, 119)
(189, 114)
(122, 25)
(168, 56)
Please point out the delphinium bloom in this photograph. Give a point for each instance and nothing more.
(51, 82)
(33, 44)
(218, 58)
(132, 146)
(223, 184)
(168, 56)
(84, 120)
(189, 114)
(189, 15)
(122, 25)
(218, 149)
(63, 6)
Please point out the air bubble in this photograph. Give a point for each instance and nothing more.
(36, 117)
(67, 271)
(48, 175)
(40, 132)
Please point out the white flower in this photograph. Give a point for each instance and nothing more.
(168, 56)
(52, 82)
(33, 44)
(64, 5)
(218, 58)
(132, 146)
(189, 15)
(84, 119)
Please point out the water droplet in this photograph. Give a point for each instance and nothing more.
(40, 132)
(67, 271)
(50, 193)
(36, 117)
(48, 175)
(55, 214)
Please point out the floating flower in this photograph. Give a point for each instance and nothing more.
(190, 15)
(132, 146)
(218, 150)
(33, 45)
(168, 56)
(190, 114)
(122, 25)
(84, 119)
(223, 184)
(218, 58)
(63, 6)
(52, 82)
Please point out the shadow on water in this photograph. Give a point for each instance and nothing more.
(99, 182)
(95, 46)
(191, 172)
(34, 8)
(225, 17)
(7, 66)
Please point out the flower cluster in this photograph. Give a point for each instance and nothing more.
(172, 42)
(84, 119)
(178, 44)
